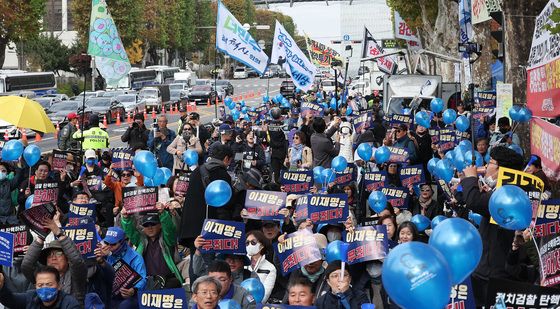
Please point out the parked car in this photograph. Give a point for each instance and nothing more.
(155, 97)
(224, 83)
(240, 73)
(287, 89)
(252, 73)
(271, 71)
(176, 96)
(178, 86)
(202, 82)
(282, 73)
(201, 94)
(58, 112)
(105, 107)
(56, 96)
(221, 93)
(46, 102)
(131, 103)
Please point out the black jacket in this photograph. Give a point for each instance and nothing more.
(434, 209)
(136, 137)
(331, 301)
(30, 300)
(425, 152)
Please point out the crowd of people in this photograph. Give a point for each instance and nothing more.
(249, 153)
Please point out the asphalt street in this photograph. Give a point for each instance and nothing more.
(250, 90)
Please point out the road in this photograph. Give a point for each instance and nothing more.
(250, 90)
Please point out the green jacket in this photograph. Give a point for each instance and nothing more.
(167, 240)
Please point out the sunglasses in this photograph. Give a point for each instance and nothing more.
(187, 129)
(252, 242)
(425, 190)
(126, 174)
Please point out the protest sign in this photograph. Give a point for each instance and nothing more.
(296, 182)
(74, 219)
(547, 222)
(122, 159)
(22, 237)
(447, 139)
(412, 175)
(46, 191)
(6, 249)
(374, 181)
(61, 159)
(280, 306)
(168, 298)
(397, 197)
(182, 185)
(323, 208)
(545, 138)
(549, 249)
(347, 176)
(445, 188)
(396, 119)
(223, 236)
(94, 183)
(398, 155)
(462, 296)
(366, 243)
(34, 217)
(519, 295)
(83, 209)
(310, 108)
(264, 205)
(125, 276)
(362, 122)
(434, 134)
(484, 107)
(139, 199)
(298, 250)
(84, 237)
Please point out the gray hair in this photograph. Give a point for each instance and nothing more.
(206, 279)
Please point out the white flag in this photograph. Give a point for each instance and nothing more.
(235, 41)
(402, 31)
(285, 52)
(371, 48)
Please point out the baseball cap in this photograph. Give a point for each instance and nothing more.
(114, 235)
(90, 153)
(47, 248)
(150, 219)
(194, 116)
(224, 128)
(71, 116)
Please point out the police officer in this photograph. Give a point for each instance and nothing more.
(94, 137)
(66, 139)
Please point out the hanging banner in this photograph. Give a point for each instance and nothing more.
(125, 277)
(320, 54)
(479, 11)
(168, 298)
(140, 199)
(298, 250)
(233, 40)
(6, 249)
(22, 237)
(397, 197)
(545, 142)
(388, 64)
(543, 85)
(286, 53)
(508, 294)
(36, 215)
(296, 182)
(547, 222)
(264, 205)
(223, 237)
(412, 175)
(366, 243)
(374, 181)
(465, 23)
(462, 296)
(84, 237)
(122, 158)
(46, 191)
(323, 208)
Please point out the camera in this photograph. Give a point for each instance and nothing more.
(469, 47)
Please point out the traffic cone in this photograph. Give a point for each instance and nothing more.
(118, 118)
(128, 119)
(105, 121)
(145, 115)
(38, 137)
(6, 136)
(23, 135)
(163, 109)
(153, 113)
(57, 130)
(208, 104)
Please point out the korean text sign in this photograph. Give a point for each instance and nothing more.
(223, 236)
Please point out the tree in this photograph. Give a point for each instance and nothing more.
(203, 39)
(19, 20)
(48, 53)
(266, 17)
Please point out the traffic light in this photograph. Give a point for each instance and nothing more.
(497, 32)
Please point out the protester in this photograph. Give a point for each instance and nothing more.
(136, 135)
(299, 155)
(341, 294)
(401, 138)
(220, 270)
(425, 204)
(187, 140)
(407, 232)
(300, 292)
(206, 293)
(158, 141)
(66, 140)
(7, 210)
(125, 178)
(504, 134)
(535, 168)
(257, 246)
(324, 150)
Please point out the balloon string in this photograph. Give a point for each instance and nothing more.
(206, 211)
(539, 254)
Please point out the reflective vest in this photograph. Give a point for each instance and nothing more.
(94, 138)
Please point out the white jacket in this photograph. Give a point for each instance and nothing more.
(267, 275)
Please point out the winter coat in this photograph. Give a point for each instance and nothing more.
(306, 157)
(98, 276)
(136, 137)
(323, 148)
(30, 300)
(65, 139)
(179, 144)
(407, 144)
(6, 188)
(355, 299)
(266, 273)
(159, 147)
(132, 258)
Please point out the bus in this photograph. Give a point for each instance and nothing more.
(19, 82)
(165, 74)
(138, 78)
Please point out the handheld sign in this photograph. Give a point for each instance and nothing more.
(22, 237)
(347, 176)
(122, 159)
(398, 155)
(125, 277)
(367, 243)
(59, 160)
(462, 296)
(374, 181)
(83, 210)
(168, 298)
(223, 236)
(362, 122)
(520, 295)
(74, 219)
(296, 182)
(94, 183)
(548, 219)
(397, 197)
(447, 139)
(140, 199)
(311, 108)
(396, 119)
(6, 249)
(182, 185)
(34, 217)
(298, 250)
(323, 208)
(46, 191)
(84, 237)
(412, 175)
(264, 205)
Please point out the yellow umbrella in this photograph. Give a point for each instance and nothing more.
(25, 113)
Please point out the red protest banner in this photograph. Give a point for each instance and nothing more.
(545, 142)
(139, 199)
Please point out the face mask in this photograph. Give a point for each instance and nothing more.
(47, 294)
(332, 236)
(504, 130)
(490, 181)
(3, 176)
(90, 162)
(253, 249)
(186, 136)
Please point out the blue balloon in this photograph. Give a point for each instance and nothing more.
(166, 174)
(449, 116)
(324, 105)
(32, 154)
(217, 193)
(475, 218)
(422, 222)
(159, 177)
(228, 100)
(242, 103)
(228, 304)
(459, 159)
(29, 201)
(190, 157)
(382, 154)
(244, 110)
(145, 163)
(333, 103)
(466, 145)
(367, 306)
(511, 208)
(478, 161)
(436, 105)
(449, 156)
(377, 201)
(336, 250)
(462, 123)
(460, 243)
(487, 157)
(432, 164)
(279, 97)
(255, 287)
(365, 151)
(413, 262)
(148, 182)
(231, 105)
(436, 220)
(12, 150)
(349, 111)
(339, 164)
(235, 114)
(513, 147)
(266, 99)
(318, 173)
(525, 114)
(422, 119)
(444, 170)
(319, 94)
(514, 113)
(328, 175)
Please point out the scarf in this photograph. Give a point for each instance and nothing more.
(297, 152)
(312, 277)
(424, 203)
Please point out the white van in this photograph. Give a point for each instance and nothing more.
(240, 73)
(185, 77)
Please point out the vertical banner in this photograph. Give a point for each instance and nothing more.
(6, 249)
(296, 182)
(298, 250)
(264, 205)
(545, 142)
(22, 237)
(504, 100)
(366, 243)
(402, 31)
(168, 298)
(223, 236)
(139, 199)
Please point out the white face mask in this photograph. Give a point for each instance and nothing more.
(490, 181)
(332, 236)
(253, 249)
(3, 175)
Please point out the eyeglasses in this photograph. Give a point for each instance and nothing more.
(55, 254)
(399, 130)
(126, 174)
(206, 293)
(252, 242)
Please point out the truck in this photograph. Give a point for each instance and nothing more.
(185, 77)
(155, 97)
